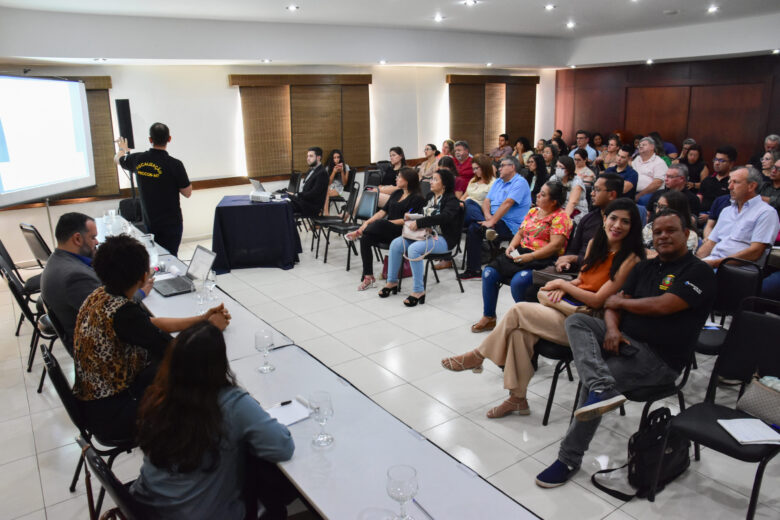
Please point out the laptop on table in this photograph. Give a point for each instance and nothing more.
(199, 267)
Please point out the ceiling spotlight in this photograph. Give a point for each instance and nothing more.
(713, 9)
(649, 62)
(570, 24)
(438, 18)
(292, 8)
(266, 60)
(100, 59)
(489, 64)
(383, 62)
(572, 66)
(775, 51)
(549, 7)
(470, 3)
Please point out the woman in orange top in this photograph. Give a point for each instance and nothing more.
(612, 254)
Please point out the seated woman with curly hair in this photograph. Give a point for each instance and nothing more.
(612, 254)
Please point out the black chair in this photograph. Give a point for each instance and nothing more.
(334, 201)
(69, 401)
(365, 210)
(449, 256)
(737, 279)
(344, 216)
(28, 288)
(130, 508)
(295, 182)
(372, 178)
(750, 347)
(563, 355)
(37, 244)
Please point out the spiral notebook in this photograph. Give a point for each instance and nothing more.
(750, 431)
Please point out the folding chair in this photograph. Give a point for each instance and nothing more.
(366, 209)
(37, 244)
(28, 288)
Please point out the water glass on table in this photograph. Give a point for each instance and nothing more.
(402, 487)
(322, 410)
(211, 284)
(264, 342)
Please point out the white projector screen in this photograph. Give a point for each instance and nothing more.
(45, 144)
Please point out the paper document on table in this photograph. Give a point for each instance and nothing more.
(289, 414)
(750, 431)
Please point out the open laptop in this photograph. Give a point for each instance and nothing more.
(257, 185)
(200, 265)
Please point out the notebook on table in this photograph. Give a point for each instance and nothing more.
(200, 265)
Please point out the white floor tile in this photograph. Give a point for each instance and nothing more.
(311, 302)
(371, 338)
(414, 407)
(53, 428)
(298, 329)
(367, 376)
(329, 350)
(16, 439)
(20, 488)
(463, 391)
(342, 317)
(411, 361)
(56, 468)
(426, 321)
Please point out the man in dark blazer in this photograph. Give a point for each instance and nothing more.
(68, 277)
(310, 199)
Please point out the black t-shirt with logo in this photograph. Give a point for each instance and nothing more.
(712, 188)
(672, 336)
(160, 177)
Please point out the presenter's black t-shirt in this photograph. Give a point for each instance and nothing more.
(160, 177)
(672, 336)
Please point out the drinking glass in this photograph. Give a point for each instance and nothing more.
(264, 341)
(211, 283)
(322, 410)
(402, 487)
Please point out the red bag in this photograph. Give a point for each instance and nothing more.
(406, 272)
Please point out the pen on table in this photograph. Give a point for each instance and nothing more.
(417, 503)
(283, 403)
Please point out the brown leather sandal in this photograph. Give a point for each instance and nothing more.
(471, 360)
(518, 406)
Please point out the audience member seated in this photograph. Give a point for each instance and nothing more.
(387, 183)
(747, 227)
(768, 161)
(697, 168)
(201, 434)
(477, 189)
(718, 205)
(651, 170)
(623, 168)
(539, 146)
(581, 168)
(503, 149)
(463, 167)
(447, 149)
(386, 224)
(448, 163)
(612, 254)
(539, 240)
(718, 184)
(598, 143)
(664, 149)
(576, 194)
(676, 180)
(441, 215)
(522, 150)
(646, 338)
(338, 176)
(431, 163)
(607, 188)
(678, 202)
(771, 142)
(583, 143)
(504, 209)
(561, 144)
(117, 344)
(770, 191)
(310, 199)
(550, 153)
(535, 174)
(68, 277)
(608, 158)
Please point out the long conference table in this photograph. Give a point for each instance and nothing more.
(347, 479)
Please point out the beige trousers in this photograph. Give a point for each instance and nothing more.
(511, 343)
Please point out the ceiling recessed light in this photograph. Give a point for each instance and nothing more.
(438, 18)
(649, 62)
(570, 24)
(383, 62)
(470, 3)
(775, 51)
(266, 60)
(549, 7)
(292, 8)
(572, 66)
(489, 64)
(713, 9)
(100, 59)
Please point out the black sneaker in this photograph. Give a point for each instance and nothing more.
(471, 275)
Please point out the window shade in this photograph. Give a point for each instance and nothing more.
(267, 131)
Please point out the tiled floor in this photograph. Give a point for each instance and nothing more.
(391, 353)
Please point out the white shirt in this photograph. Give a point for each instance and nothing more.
(736, 230)
(650, 170)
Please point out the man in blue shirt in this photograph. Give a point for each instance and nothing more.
(583, 141)
(624, 169)
(505, 206)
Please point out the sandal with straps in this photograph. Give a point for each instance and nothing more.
(367, 283)
(384, 292)
(471, 360)
(520, 407)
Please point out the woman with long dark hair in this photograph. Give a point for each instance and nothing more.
(576, 205)
(677, 201)
(338, 176)
(536, 174)
(198, 430)
(387, 183)
(477, 189)
(612, 254)
(430, 164)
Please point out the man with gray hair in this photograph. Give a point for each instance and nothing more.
(463, 165)
(651, 170)
(676, 180)
(746, 228)
(771, 142)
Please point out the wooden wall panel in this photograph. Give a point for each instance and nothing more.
(495, 116)
(467, 114)
(316, 120)
(267, 137)
(728, 114)
(520, 112)
(597, 110)
(355, 125)
(660, 109)
(564, 113)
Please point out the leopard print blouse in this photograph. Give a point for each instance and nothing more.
(104, 364)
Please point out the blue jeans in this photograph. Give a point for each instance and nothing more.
(770, 288)
(491, 284)
(473, 213)
(644, 199)
(474, 237)
(413, 250)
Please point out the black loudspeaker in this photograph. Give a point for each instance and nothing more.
(125, 123)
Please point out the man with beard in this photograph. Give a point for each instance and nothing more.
(311, 197)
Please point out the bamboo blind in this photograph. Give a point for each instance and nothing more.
(355, 125)
(467, 115)
(520, 111)
(316, 120)
(495, 114)
(267, 134)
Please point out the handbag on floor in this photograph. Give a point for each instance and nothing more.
(406, 270)
(644, 456)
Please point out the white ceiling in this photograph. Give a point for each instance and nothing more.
(515, 17)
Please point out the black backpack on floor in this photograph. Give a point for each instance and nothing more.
(644, 450)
